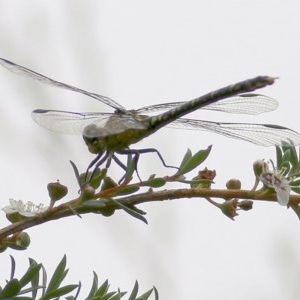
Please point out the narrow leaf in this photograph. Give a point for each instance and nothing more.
(35, 279)
(11, 289)
(130, 211)
(61, 291)
(278, 156)
(102, 289)
(94, 286)
(186, 158)
(146, 295)
(194, 161)
(155, 182)
(126, 190)
(13, 267)
(58, 276)
(134, 291)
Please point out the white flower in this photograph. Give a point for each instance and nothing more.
(28, 209)
(275, 179)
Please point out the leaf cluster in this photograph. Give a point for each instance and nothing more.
(34, 285)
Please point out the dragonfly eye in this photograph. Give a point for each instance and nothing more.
(95, 145)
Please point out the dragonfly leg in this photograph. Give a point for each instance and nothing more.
(96, 162)
(124, 167)
(147, 150)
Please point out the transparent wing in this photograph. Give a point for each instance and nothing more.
(77, 123)
(259, 134)
(17, 69)
(251, 104)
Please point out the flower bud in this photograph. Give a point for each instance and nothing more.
(259, 166)
(245, 204)
(229, 208)
(233, 184)
(56, 191)
(108, 183)
(87, 193)
(20, 241)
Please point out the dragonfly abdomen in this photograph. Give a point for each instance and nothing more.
(231, 90)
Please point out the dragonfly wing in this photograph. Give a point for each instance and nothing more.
(249, 103)
(260, 134)
(67, 122)
(91, 125)
(17, 69)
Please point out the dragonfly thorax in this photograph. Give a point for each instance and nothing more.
(99, 139)
(117, 132)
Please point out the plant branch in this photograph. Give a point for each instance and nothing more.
(67, 209)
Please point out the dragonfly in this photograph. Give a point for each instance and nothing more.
(107, 134)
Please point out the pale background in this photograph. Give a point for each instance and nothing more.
(141, 53)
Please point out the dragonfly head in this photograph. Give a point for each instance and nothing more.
(95, 145)
(94, 137)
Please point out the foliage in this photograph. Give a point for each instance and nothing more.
(34, 283)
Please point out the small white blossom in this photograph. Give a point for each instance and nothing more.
(28, 209)
(275, 179)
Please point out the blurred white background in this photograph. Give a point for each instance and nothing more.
(141, 53)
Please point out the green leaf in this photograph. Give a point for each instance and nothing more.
(295, 182)
(296, 190)
(76, 172)
(146, 295)
(126, 190)
(108, 295)
(95, 203)
(278, 156)
(134, 291)
(194, 161)
(35, 279)
(102, 289)
(12, 288)
(60, 291)
(286, 155)
(31, 273)
(186, 158)
(118, 296)
(130, 169)
(97, 177)
(13, 267)
(94, 286)
(293, 158)
(44, 279)
(155, 182)
(58, 276)
(156, 293)
(130, 211)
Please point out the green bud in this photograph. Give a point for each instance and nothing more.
(245, 204)
(258, 167)
(19, 241)
(107, 211)
(108, 183)
(56, 191)
(233, 184)
(15, 217)
(87, 193)
(229, 208)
